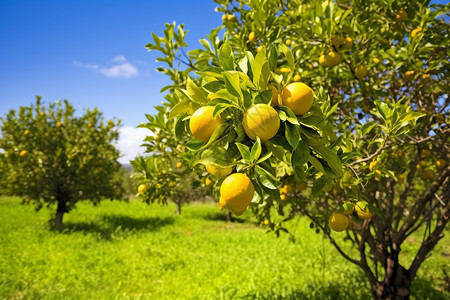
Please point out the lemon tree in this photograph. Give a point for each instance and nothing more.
(50, 156)
(360, 145)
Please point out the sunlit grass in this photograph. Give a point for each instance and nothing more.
(122, 250)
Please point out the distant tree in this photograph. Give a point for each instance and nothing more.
(50, 156)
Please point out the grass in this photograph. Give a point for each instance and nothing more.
(130, 250)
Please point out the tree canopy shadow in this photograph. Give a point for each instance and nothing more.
(221, 216)
(112, 225)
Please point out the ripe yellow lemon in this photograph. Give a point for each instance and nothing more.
(409, 75)
(231, 18)
(58, 124)
(283, 197)
(275, 100)
(425, 78)
(224, 17)
(42, 113)
(259, 49)
(338, 222)
(261, 120)
(179, 164)
(202, 124)
(360, 71)
(332, 58)
(298, 97)
(285, 70)
(208, 181)
(416, 32)
(322, 60)
(23, 153)
(236, 193)
(378, 175)
(26, 132)
(297, 78)
(373, 165)
(252, 37)
(376, 60)
(288, 42)
(337, 41)
(142, 188)
(441, 163)
(362, 209)
(400, 15)
(348, 43)
(218, 171)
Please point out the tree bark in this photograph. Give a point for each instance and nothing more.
(229, 219)
(60, 210)
(397, 287)
(178, 208)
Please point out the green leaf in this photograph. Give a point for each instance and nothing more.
(301, 154)
(219, 108)
(180, 108)
(256, 150)
(266, 179)
(264, 157)
(291, 117)
(195, 93)
(194, 144)
(257, 69)
(232, 84)
(289, 56)
(245, 152)
(226, 57)
(367, 127)
(292, 134)
(315, 163)
(383, 109)
(330, 157)
(318, 185)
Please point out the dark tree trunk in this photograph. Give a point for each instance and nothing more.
(178, 208)
(229, 218)
(60, 210)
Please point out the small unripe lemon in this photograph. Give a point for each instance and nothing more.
(400, 178)
(322, 60)
(224, 17)
(42, 113)
(378, 175)
(58, 124)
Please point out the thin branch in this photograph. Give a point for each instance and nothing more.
(370, 156)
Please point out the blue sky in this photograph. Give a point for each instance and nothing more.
(92, 54)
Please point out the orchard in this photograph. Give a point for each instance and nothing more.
(336, 111)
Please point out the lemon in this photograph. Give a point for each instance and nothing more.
(362, 209)
(322, 60)
(338, 222)
(337, 41)
(208, 181)
(275, 100)
(297, 78)
(298, 97)
(236, 193)
(360, 71)
(252, 37)
(261, 120)
(142, 188)
(400, 15)
(332, 58)
(202, 124)
(348, 43)
(288, 42)
(441, 163)
(376, 60)
(218, 171)
(415, 32)
(179, 164)
(23, 153)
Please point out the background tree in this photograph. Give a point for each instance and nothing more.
(51, 156)
(368, 158)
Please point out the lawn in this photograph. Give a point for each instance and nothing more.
(121, 250)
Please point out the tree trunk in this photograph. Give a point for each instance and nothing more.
(396, 286)
(60, 210)
(178, 208)
(229, 219)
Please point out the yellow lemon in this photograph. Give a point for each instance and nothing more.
(441, 163)
(332, 58)
(373, 165)
(338, 222)
(285, 70)
(252, 37)
(376, 60)
(224, 17)
(218, 171)
(322, 60)
(378, 175)
(26, 132)
(288, 42)
(259, 49)
(202, 124)
(261, 120)
(362, 209)
(236, 193)
(231, 18)
(348, 43)
(142, 188)
(409, 75)
(400, 178)
(275, 100)
(179, 164)
(400, 15)
(360, 71)
(283, 197)
(208, 181)
(297, 78)
(298, 97)
(23, 153)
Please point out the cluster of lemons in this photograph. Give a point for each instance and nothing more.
(341, 220)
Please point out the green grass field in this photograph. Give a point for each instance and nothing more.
(122, 250)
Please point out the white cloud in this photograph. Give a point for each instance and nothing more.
(130, 138)
(120, 68)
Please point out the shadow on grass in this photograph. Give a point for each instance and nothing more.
(426, 289)
(119, 225)
(221, 216)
